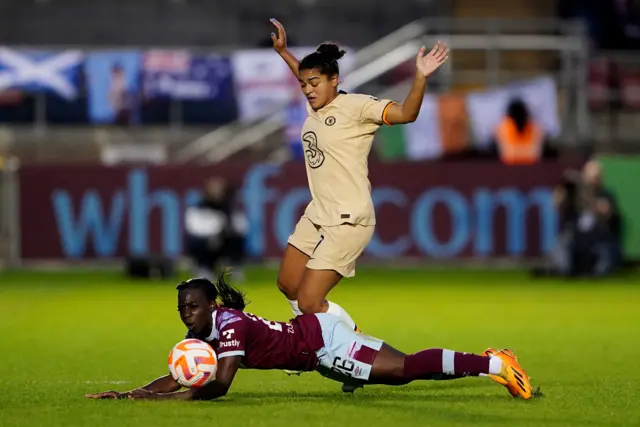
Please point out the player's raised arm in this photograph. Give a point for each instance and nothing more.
(426, 65)
(164, 384)
(279, 39)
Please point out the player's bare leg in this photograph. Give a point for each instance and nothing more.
(392, 367)
(312, 293)
(292, 268)
(292, 271)
(316, 285)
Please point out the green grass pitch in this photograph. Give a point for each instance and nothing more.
(66, 334)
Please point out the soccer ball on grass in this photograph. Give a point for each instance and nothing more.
(193, 363)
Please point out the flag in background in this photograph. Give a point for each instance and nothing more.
(113, 84)
(441, 128)
(487, 108)
(264, 83)
(166, 61)
(180, 75)
(159, 70)
(41, 71)
(448, 123)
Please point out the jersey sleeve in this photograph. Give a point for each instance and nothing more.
(374, 110)
(232, 331)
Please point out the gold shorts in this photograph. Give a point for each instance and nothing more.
(331, 247)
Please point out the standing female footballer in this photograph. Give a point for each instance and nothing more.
(337, 135)
(320, 342)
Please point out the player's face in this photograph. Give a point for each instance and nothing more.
(195, 311)
(318, 88)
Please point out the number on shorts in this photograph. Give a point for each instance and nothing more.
(272, 325)
(343, 366)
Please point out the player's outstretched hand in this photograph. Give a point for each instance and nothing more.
(106, 395)
(141, 394)
(280, 38)
(427, 64)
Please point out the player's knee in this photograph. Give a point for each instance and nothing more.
(310, 306)
(287, 288)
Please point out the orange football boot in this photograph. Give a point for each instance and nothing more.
(492, 352)
(512, 376)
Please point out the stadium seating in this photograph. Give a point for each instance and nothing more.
(202, 22)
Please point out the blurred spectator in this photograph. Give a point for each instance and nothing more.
(518, 138)
(120, 96)
(590, 240)
(215, 231)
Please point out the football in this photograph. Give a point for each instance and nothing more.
(193, 363)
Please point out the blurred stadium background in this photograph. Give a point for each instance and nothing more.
(114, 114)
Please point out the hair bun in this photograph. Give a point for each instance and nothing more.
(331, 51)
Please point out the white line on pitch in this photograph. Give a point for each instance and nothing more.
(95, 382)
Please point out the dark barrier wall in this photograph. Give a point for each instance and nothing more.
(443, 210)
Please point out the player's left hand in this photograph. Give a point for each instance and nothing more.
(106, 395)
(279, 39)
(427, 64)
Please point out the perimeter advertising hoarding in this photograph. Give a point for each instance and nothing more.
(434, 210)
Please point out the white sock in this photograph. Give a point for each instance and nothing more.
(294, 307)
(336, 310)
(495, 365)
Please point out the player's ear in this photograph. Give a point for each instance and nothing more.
(334, 80)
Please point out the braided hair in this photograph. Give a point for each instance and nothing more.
(229, 296)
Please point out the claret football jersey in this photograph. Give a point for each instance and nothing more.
(264, 344)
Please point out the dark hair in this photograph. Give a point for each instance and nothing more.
(324, 59)
(519, 112)
(229, 296)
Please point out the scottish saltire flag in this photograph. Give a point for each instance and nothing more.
(37, 71)
(179, 75)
